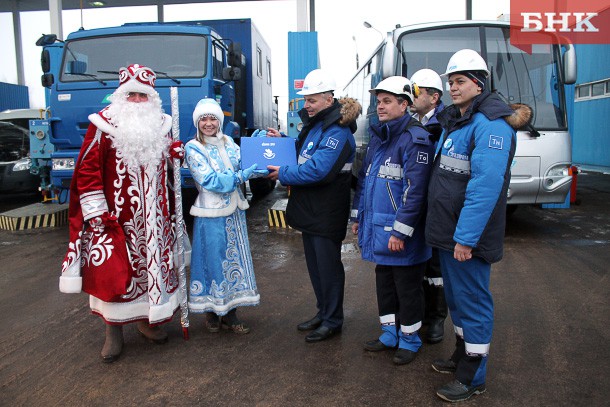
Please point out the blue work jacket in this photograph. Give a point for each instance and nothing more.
(319, 202)
(470, 178)
(391, 193)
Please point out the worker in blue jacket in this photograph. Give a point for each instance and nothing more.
(320, 193)
(425, 109)
(466, 213)
(388, 209)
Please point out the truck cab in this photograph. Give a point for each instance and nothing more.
(81, 74)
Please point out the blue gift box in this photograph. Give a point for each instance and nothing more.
(264, 151)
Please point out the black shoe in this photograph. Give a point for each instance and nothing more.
(456, 391)
(403, 356)
(110, 358)
(436, 331)
(322, 333)
(376, 346)
(313, 323)
(444, 365)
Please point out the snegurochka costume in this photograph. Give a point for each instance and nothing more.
(222, 275)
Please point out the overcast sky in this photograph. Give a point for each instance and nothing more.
(338, 22)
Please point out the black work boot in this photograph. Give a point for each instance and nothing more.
(113, 346)
(435, 313)
(455, 391)
(450, 365)
(462, 388)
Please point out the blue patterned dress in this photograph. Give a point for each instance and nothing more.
(222, 275)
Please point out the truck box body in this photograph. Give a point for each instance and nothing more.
(256, 73)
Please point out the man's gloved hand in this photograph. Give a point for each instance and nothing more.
(176, 150)
(259, 133)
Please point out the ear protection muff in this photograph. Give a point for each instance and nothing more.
(412, 89)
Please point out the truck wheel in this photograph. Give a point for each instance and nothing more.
(261, 187)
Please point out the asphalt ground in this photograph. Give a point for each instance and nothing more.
(550, 344)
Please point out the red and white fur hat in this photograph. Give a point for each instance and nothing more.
(137, 78)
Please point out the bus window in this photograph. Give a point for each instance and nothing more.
(432, 49)
(519, 77)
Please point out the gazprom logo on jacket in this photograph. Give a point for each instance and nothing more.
(389, 164)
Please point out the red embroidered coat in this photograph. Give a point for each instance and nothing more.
(139, 198)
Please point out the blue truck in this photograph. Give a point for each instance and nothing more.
(227, 60)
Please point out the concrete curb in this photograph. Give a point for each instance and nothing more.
(277, 214)
(34, 216)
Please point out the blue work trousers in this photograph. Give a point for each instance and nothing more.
(471, 307)
(323, 257)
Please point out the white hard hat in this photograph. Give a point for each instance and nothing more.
(397, 85)
(427, 78)
(317, 81)
(466, 60)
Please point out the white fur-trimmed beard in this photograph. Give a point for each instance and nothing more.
(137, 138)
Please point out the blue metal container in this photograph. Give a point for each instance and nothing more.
(303, 57)
(13, 96)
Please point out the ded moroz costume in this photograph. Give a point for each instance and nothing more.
(121, 179)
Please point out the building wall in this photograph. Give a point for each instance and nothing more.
(589, 113)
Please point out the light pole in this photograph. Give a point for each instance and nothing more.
(368, 25)
(356, 47)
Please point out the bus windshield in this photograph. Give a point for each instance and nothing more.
(517, 76)
(99, 58)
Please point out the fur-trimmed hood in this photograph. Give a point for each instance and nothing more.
(521, 116)
(517, 115)
(344, 112)
(350, 110)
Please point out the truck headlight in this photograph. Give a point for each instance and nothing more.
(63, 163)
(22, 165)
